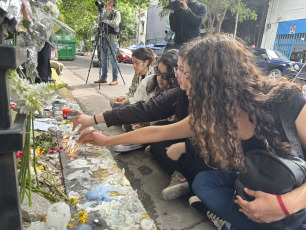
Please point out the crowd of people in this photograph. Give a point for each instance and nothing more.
(233, 109)
(206, 105)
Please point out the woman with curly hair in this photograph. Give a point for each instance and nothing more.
(233, 110)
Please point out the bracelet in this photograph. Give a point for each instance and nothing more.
(95, 119)
(281, 203)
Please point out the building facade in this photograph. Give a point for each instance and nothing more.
(142, 26)
(156, 26)
(285, 28)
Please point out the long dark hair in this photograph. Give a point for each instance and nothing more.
(169, 59)
(223, 81)
(144, 54)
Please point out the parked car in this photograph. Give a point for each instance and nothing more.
(79, 52)
(274, 62)
(124, 55)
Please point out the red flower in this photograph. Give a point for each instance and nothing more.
(19, 155)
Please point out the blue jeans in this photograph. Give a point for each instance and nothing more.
(105, 54)
(216, 189)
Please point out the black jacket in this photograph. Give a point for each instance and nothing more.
(186, 24)
(168, 103)
(157, 108)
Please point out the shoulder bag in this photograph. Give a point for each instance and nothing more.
(275, 174)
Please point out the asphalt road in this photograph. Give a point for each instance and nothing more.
(142, 171)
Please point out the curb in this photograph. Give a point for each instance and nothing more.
(63, 92)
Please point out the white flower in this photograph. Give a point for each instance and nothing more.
(29, 97)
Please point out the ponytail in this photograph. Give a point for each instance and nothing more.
(151, 52)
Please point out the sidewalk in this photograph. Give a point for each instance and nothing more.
(143, 172)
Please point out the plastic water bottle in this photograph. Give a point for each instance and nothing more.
(58, 216)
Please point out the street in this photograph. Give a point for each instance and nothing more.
(143, 172)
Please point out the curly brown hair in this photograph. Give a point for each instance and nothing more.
(223, 81)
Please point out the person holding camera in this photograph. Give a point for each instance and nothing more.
(186, 18)
(109, 22)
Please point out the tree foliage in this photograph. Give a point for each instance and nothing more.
(129, 22)
(244, 12)
(80, 15)
(216, 10)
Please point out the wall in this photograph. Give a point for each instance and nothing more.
(155, 25)
(281, 11)
(142, 27)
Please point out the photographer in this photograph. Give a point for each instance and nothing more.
(109, 22)
(186, 17)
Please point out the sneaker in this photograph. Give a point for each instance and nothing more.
(127, 128)
(52, 80)
(148, 150)
(198, 205)
(178, 187)
(127, 148)
(114, 83)
(100, 81)
(218, 222)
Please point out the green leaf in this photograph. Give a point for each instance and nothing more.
(26, 24)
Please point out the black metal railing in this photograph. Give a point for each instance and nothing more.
(11, 140)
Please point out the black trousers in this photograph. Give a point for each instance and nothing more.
(189, 164)
(43, 63)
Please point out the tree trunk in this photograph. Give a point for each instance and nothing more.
(236, 24)
(220, 20)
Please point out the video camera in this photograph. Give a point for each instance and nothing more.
(100, 4)
(174, 5)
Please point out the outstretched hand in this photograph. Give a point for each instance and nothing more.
(93, 137)
(82, 119)
(264, 209)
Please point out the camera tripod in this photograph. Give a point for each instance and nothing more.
(98, 43)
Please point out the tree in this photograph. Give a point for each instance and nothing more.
(129, 23)
(80, 15)
(242, 13)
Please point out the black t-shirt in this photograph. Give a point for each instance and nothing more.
(291, 105)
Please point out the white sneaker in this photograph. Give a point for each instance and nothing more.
(127, 148)
(177, 187)
(148, 150)
(218, 222)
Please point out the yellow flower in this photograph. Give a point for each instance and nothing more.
(40, 167)
(73, 200)
(70, 225)
(38, 150)
(44, 220)
(83, 217)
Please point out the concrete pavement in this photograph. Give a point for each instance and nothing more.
(142, 171)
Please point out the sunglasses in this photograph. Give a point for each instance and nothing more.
(165, 76)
